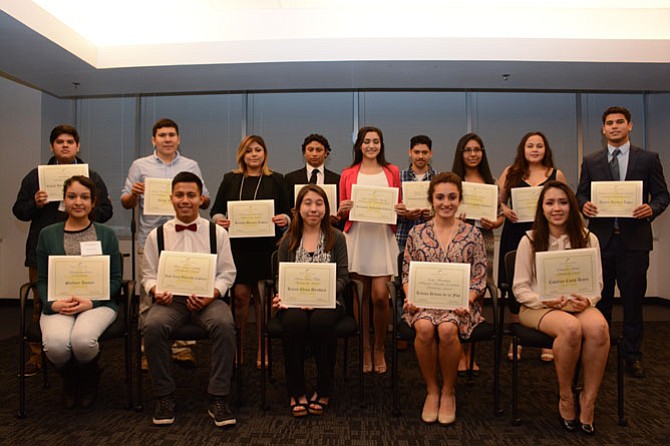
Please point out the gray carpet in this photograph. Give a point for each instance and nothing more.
(345, 423)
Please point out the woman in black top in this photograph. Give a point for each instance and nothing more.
(252, 180)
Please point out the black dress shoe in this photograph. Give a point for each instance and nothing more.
(634, 368)
(588, 429)
(569, 425)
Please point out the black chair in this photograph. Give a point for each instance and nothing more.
(30, 332)
(486, 331)
(528, 337)
(271, 328)
(189, 332)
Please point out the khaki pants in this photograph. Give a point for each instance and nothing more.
(145, 304)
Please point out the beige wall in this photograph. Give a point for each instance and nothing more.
(20, 127)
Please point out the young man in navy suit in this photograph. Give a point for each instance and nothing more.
(625, 242)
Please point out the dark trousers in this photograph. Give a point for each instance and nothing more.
(629, 270)
(316, 327)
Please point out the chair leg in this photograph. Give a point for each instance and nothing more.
(394, 376)
(264, 369)
(129, 369)
(138, 371)
(497, 410)
(236, 365)
(516, 421)
(620, 382)
(471, 366)
(344, 359)
(269, 348)
(45, 375)
(22, 378)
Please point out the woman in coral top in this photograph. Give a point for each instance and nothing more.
(372, 248)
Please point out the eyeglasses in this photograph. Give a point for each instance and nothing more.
(474, 150)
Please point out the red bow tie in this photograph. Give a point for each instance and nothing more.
(192, 227)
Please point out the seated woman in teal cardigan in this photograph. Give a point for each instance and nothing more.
(71, 327)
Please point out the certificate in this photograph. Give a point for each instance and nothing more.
(329, 189)
(251, 218)
(524, 202)
(415, 194)
(186, 273)
(373, 204)
(157, 196)
(51, 178)
(568, 271)
(479, 201)
(616, 198)
(86, 277)
(441, 286)
(311, 285)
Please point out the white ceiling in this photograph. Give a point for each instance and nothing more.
(91, 47)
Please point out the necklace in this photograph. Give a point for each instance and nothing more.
(257, 186)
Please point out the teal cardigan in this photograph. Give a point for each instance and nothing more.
(50, 242)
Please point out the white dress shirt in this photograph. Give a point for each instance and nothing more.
(319, 177)
(190, 241)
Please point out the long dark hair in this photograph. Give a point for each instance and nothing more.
(358, 153)
(294, 232)
(458, 167)
(579, 237)
(520, 169)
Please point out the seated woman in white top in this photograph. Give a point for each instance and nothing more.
(578, 328)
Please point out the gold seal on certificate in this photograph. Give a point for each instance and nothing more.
(524, 202)
(251, 218)
(479, 201)
(329, 189)
(569, 271)
(157, 196)
(86, 277)
(307, 285)
(186, 273)
(441, 286)
(52, 176)
(415, 194)
(373, 204)
(616, 198)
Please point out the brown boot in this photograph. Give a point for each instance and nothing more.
(34, 364)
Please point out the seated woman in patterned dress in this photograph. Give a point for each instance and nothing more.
(444, 239)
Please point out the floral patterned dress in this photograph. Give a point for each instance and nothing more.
(467, 246)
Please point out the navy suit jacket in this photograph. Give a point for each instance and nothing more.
(300, 177)
(642, 165)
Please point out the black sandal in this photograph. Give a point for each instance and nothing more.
(302, 412)
(320, 406)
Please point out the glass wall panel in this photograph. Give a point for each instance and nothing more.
(285, 119)
(502, 118)
(401, 115)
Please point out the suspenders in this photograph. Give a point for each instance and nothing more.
(160, 238)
